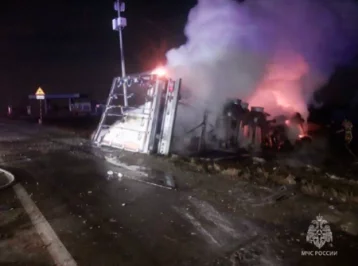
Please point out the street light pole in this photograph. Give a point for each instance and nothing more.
(119, 24)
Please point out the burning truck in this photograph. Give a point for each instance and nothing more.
(241, 127)
(162, 120)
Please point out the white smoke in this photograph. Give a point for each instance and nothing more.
(271, 53)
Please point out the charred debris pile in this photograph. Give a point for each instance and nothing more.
(311, 180)
(275, 151)
(238, 127)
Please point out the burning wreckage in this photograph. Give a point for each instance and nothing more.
(158, 120)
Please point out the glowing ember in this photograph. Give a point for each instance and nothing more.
(160, 71)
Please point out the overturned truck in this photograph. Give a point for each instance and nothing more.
(146, 125)
(151, 123)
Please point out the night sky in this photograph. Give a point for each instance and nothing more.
(69, 46)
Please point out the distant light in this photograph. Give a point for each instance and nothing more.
(287, 122)
(160, 71)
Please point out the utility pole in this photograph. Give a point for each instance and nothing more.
(118, 24)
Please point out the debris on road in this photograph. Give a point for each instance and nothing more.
(309, 179)
(150, 176)
(290, 180)
(334, 177)
(310, 167)
(133, 168)
(110, 175)
(258, 160)
(235, 187)
(350, 228)
(169, 180)
(231, 172)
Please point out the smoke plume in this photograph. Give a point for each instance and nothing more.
(273, 54)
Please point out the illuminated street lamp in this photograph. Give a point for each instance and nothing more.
(118, 24)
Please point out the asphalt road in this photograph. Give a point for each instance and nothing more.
(125, 222)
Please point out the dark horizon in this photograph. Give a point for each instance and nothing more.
(70, 47)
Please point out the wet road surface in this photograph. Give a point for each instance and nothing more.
(103, 222)
(124, 222)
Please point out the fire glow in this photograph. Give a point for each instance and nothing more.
(301, 134)
(160, 72)
(280, 92)
(264, 52)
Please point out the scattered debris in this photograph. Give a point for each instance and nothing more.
(292, 162)
(120, 176)
(246, 175)
(350, 228)
(287, 170)
(169, 180)
(110, 175)
(258, 160)
(332, 217)
(193, 161)
(211, 214)
(217, 167)
(134, 168)
(224, 158)
(231, 172)
(314, 168)
(333, 177)
(290, 180)
(281, 194)
(175, 156)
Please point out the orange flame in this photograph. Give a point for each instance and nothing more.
(160, 72)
